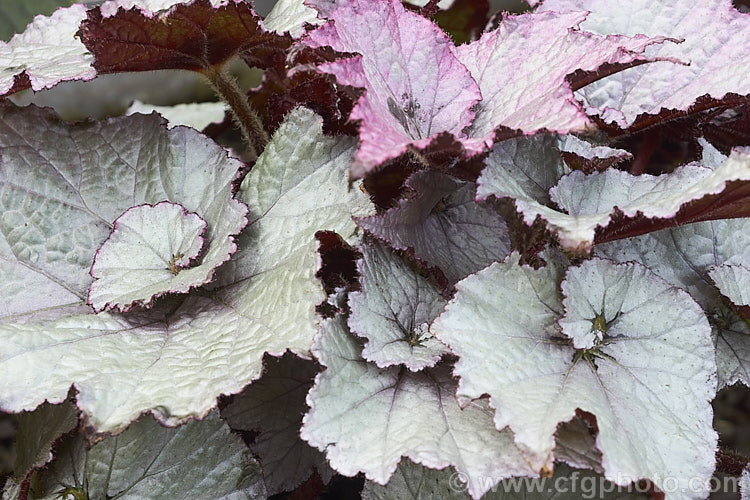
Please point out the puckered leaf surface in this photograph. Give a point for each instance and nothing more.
(590, 201)
(394, 310)
(654, 420)
(444, 226)
(175, 359)
(407, 414)
(202, 459)
(714, 34)
(149, 253)
(521, 68)
(415, 88)
(63, 187)
(46, 53)
(14, 15)
(685, 256)
(273, 406)
(291, 16)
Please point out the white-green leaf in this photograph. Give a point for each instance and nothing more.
(47, 52)
(148, 254)
(201, 459)
(291, 16)
(196, 115)
(588, 202)
(404, 414)
(62, 187)
(177, 358)
(733, 282)
(393, 311)
(685, 256)
(654, 419)
(444, 225)
(273, 406)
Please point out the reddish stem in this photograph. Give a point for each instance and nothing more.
(644, 153)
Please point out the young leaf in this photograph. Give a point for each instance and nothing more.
(654, 419)
(412, 92)
(394, 310)
(590, 201)
(407, 414)
(201, 459)
(685, 256)
(175, 360)
(150, 252)
(521, 68)
(712, 32)
(273, 406)
(64, 186)
(444, 225)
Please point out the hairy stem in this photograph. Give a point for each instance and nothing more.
(248, 120)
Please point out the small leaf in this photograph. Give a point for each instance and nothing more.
(444, 226)
(144, 256)
(273, 406)
(291, 16)
(654, 419)
(407, 414)
(394, 310)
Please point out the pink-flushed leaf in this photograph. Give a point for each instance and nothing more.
(443, 225)
(521, 68)
(46, 53)
(715, 37)
(415, 88)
